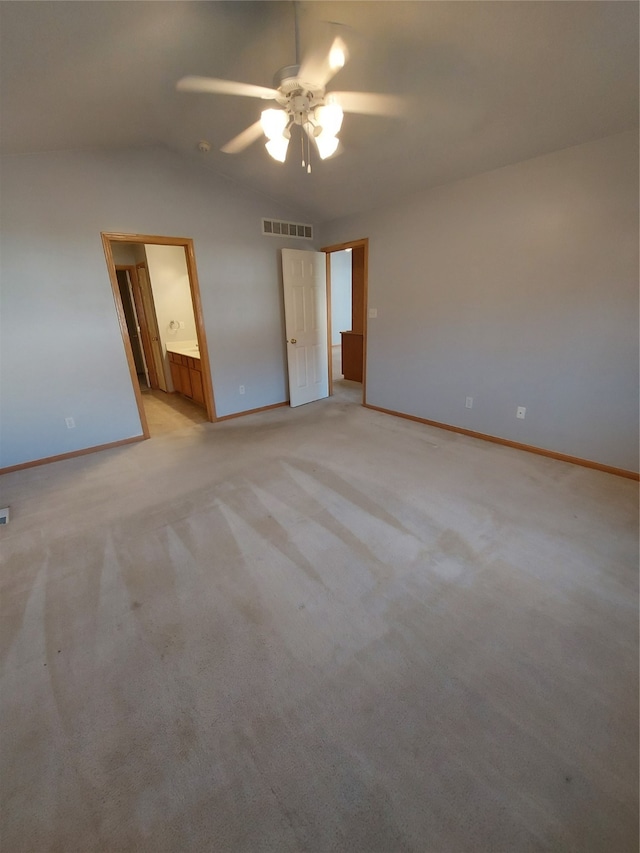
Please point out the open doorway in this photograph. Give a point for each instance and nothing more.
(157, 297)
(347, 269)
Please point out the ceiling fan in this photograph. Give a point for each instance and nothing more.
(300, 92)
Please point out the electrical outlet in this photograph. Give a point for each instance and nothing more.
(71, 424)
(373, 313)
(182, 324)
(241, 389)
(469, 403)
(4, 515)
(521, 412)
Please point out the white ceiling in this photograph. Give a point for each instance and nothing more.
(490, 83)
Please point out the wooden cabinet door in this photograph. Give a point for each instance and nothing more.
(185, 380)
(175, 376)
(352, 356)
(197, 390)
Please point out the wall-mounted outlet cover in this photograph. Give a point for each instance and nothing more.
(373, 313)
(70, 423)
(468, 403)
(241, 389)
(521, 411)
(4, 515)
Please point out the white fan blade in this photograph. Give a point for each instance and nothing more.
(318, 67)
(213, 86)
(243, 140)
(369, 103)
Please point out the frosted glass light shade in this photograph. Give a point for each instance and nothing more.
(278, 148)
(327, 145)
(330, 118)
(273, 123)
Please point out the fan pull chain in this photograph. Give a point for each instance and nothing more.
(308, 155)
(302, 146)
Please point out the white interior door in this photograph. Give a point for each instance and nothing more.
(304, 276)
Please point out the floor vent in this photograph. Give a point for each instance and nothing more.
(276, 228)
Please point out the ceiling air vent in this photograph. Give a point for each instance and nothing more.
(276, 228)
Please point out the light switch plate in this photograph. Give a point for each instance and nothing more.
(373, 313)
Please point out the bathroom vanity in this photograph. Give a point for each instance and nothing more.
(186, 371)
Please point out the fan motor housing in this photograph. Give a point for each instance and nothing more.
(288, 83)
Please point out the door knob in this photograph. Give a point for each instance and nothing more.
(293, 341)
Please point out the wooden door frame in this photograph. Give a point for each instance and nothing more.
(152, 325)
(145, 337)
(187, 244)
(339, 247)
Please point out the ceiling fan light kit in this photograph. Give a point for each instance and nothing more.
(299, 91)
(303, 106)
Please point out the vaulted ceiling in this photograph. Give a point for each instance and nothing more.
(488, 84)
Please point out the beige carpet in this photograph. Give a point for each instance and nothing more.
(169, 412)
(321, 629)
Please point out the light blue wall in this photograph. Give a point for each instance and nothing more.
(518, 287)
(61, 349)
(340, 295)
